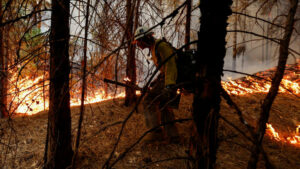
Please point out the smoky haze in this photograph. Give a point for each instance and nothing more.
(260, 54)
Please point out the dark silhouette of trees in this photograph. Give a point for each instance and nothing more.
(206, 104)
(60, 150)
(131, 64)
(108, 32)
(3, 75)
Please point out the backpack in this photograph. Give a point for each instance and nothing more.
(186, 66)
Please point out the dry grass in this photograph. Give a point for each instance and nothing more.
(23, 138)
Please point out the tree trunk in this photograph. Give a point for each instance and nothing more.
(266, 106)
(83, 90)
(131, 65)
(3, 76)
(206, 104)
(188, 23)
(60, 150)
(234, 56)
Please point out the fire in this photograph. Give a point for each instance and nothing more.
(99, 96)
(178, 91)
(251, 85)
(295, 139)
(26, 95)
(272, 131)
(30, 96)
(126, 79)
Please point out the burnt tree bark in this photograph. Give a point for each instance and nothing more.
(3, 77)
(206, 104)
(60, 150)
(130, 96)
(268, 101)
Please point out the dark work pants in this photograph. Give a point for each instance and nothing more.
(157, 110)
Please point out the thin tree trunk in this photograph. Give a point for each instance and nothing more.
(60, 150)
(188, 23)
(268, 101)
(137, 13)
(3, 76)
(235, 37)
(131, 65)
(83, 83)
(206, 104)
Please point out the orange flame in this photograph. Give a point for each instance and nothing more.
(272, 131)
(248, 85)
(295, 139)
(27, 96)
(126, 79)
(257, 86)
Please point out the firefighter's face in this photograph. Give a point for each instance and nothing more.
(143, 43)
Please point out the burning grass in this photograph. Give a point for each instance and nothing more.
(261, 82)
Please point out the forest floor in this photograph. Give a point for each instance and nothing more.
(22, 139)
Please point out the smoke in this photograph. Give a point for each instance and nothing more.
(257, 57)
(260, 54)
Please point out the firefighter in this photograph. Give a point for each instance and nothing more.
(161, 98)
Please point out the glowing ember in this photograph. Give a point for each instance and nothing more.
(178, 91)
(295, 140)
(138, 92)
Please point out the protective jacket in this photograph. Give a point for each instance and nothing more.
(163, 51)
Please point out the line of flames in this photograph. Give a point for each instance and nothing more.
(256, 86)
(30, 100)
